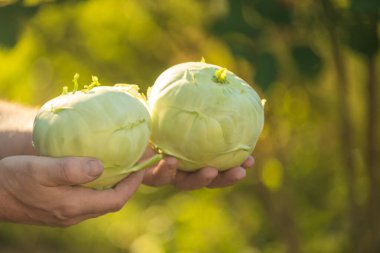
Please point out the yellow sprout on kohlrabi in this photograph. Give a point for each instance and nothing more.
(204, 115)
(110, 123)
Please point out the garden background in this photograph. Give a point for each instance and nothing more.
(316, 183)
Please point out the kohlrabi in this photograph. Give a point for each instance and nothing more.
(205, 115)
(110, 123)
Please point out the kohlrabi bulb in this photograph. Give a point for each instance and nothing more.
(111, 124)
(205, 115)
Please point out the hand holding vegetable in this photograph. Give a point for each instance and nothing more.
(207, 121)
(218, 119)
(166, 172)
(40, 190)
(205, 116)
(113, 125)
(109, 123)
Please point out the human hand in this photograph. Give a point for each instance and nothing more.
(41, 190)
(165, 172)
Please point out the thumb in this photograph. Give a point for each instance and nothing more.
(66, 171)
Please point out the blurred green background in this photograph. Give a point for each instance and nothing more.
(316, 183)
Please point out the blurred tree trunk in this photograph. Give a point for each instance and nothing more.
(346, 128)
(280, 213)
(373, 207)
(279, 203)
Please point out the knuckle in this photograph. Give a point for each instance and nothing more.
(30, 167)
(32, 170)
(117, 205)
(232, 180)
(238, 177)
(157, 183)
(188, 188)
(67, 223)
(208, 175)
(208, 178)
(185, 187)
(67, 166)
(65, 212)
(213, 186)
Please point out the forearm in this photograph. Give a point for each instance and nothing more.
(16, 125)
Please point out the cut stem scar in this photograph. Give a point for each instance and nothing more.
(65, 90)
(221, 75)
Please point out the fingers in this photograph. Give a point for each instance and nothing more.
(64, 171)
(208, 177)
(232, 176)
(83, 203)
(249, 162)
(211, 177)
(114, 199)
(166, 172)
(228, 178)
(48, 197)
(128, 186)
(73, 221)
(191, 181)
(163, 173)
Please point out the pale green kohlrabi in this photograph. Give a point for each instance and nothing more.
(109, 123)
(204, 115)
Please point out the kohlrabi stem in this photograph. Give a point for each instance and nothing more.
(75, 81)
(145, 164)
(65, 90)
(95, 82)
(221, 75)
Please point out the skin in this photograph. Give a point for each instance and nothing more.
(165, 172)
(43, 190)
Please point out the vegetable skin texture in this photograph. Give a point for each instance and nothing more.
(205, 115)
(111, 124)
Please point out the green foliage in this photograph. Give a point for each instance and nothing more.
(9, 26)
(368, 41)
(298, 197)
(266, 69)
(307, 61)
(275, 11)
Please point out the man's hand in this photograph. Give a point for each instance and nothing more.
(41, 190)
(165, 172)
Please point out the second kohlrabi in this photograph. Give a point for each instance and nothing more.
(205, 115)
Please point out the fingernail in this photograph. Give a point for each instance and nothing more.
(94, 168)
(241, 174)
(209, 173)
